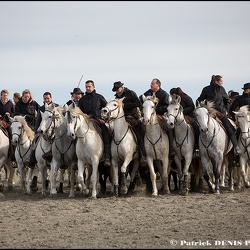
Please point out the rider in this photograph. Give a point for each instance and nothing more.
(188, 112)
(215, 92)
(130, 104)
(240, 100)
(7, 110)
(76, 95)
(47, 98)
(91, 104)
(27, 107)
(161, 108)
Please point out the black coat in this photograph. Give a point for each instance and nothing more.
(131, 102)
(188, 106)
(238, 102)
(29, 110)
(163, 97)
(92, 103)
(7, 107)
(218, 94)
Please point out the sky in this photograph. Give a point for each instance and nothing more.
(52, 45)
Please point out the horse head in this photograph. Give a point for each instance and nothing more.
(174, 113)
(112, 110)
(51, 118)
(19, 126)
(242, 118)
(149, 108)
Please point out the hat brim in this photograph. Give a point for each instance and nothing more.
(76, 93)
(116, 88)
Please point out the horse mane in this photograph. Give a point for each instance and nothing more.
(244, 110)
(76, 110)
(28, 130)
(153, 98)
(119, 101)
(210, 106)
(173, 102)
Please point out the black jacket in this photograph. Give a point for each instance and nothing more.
(163, 97)
(92, 103)
(131, 102)
(188, 106)
(238, 102)
(29, 110)
(218, 94)
(7, 107)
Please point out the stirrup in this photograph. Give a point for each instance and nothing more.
(13, 164)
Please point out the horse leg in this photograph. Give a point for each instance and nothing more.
(133, 177)
(72, 182)
(80, 176)
(94, 178)
(53, 174)
(152, 176)
(11, 171)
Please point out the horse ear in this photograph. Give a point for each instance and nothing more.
(11, 119)
(205, 102)
(143, 98)
(66, 107)
(178, 99)
(197, 104)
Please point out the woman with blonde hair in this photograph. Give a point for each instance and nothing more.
(27, 107)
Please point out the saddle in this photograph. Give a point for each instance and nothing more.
(3, 128)
(188, 119)
(96, 123)
(161, 121)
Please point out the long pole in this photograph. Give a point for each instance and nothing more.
(80, 82)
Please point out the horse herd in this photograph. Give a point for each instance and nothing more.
(77, 145)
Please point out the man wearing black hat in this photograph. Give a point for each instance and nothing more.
(91, 104)
(240, 100)
(76, 95)
(130, 104)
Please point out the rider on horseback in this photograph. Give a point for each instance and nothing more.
(6, 110)
(188, 112)
(91, 104)
(47, 98)
(131, 103)
(215, 92)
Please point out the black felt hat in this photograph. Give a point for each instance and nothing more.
(76, 91)
(117, 85)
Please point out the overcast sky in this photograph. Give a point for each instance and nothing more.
(49, 45)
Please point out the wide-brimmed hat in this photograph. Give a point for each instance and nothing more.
(76, 91)
(117, 85)
(246, 85)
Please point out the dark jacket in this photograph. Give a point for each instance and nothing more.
(163, 97)
(39, 116)
(7, 107)
(238, 102)
(92, 103)
(218, 94)
(29, 110)
(131, 102)
(188, 106)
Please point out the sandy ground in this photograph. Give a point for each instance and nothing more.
(198, 220)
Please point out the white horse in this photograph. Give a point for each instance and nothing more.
(22, 137)
(214, 145)
(242, 117)
(89, 147)
(183, 143)
(54, 127)
(124, 147)
(5, 160)
(156, 144)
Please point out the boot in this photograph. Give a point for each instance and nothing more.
(107, 152)
(47, 156)
(32, 162)
(140, 138)
(235, 143)
(12, 152)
